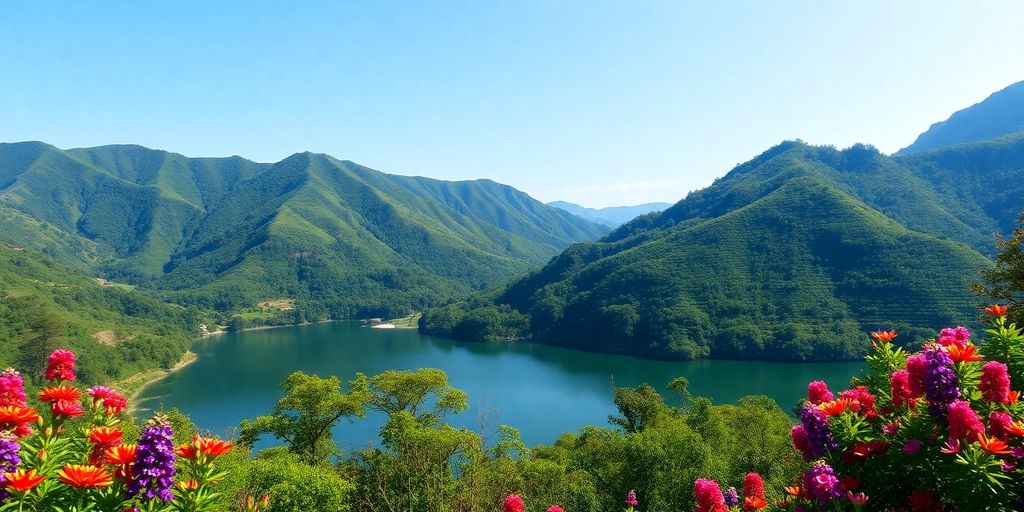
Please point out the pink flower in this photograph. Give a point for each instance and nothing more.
(709, 496)
(753, 485)
(900, 383)
(61, 365)
(958, 336)
(100, 392)
(818, 393)
(917, 365)
(1000, 425)
(800, 442)
(964, 423)
(555, 508)
(995, 382)
(912, 446)
(66, 409)
(12, 388)
(865, 400)
(513, 503)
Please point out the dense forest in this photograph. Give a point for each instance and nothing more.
(336, 238)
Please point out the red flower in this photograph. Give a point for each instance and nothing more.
(916, 367)
(962, 353)
(862, 396)
(66, 409)
(849, 482)
(924, 501)
(17, 415)
(513, 503)
(85, 477)
(105, 435)
(996, 310)
(120, 455)
(57, 393)
(753, 485)
(900, 383)
(23, 481)
(61, 365)
(115, 404)
(555, 508)
(1000, 425)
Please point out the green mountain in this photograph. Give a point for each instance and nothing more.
(116, 331)
(612, 216)
(1000, 114)
(342, 239)
(793, 255)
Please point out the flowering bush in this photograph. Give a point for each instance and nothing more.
(74, 456)
(935, 430)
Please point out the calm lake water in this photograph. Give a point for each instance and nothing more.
(541, 390)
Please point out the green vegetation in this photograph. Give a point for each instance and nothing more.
(339, 239)
(1004, 282)
(789, 256)
(425, 464)
(118, 332)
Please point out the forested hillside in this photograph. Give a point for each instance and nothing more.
(786, 257)
(119, 331)
(341, 239)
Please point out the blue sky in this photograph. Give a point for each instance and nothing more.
(599, 103)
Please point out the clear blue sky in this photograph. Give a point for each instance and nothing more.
(595, 102)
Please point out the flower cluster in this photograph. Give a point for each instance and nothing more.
(949, 408)
(709, 497)
(515, 503)
(86, 464)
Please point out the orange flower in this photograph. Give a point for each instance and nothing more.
(993, 445)
(961, 353)
(17, 415)
(120, 455)
(187, 451)
(85, 477)
(58, 393)
(793, 490)
(213, 446)
(189, 484)
(205, 446)
(22, 481)
(883, 336)
(105, 435)
(996, 310)
(1017, 428)
(1014, 396)
(837, 406)
(754, 503)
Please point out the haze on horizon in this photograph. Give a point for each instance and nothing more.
(596, 103)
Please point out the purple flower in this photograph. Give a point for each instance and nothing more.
(821, 483)
(732, 498)
(819, 438)
(912, 446)
(154, 462)
(9, 460)
(631, 499)
(939, 381)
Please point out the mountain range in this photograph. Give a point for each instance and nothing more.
(792, 255)
(612, 216)
(226, 233)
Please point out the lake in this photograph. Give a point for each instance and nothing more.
(541, 390)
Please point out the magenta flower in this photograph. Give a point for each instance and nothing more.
(958, 336)
(631, 499)
(61, 365)
(911, 447)
(818, 393)
(708, 495)
(964, 423)
(995, 382)
(821, 483)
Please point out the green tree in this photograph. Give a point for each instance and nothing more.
(640, 407)
(1005, 280)
(44, 336)
(306, 415)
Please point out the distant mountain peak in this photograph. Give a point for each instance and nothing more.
(1002, 113)
(612, 216)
